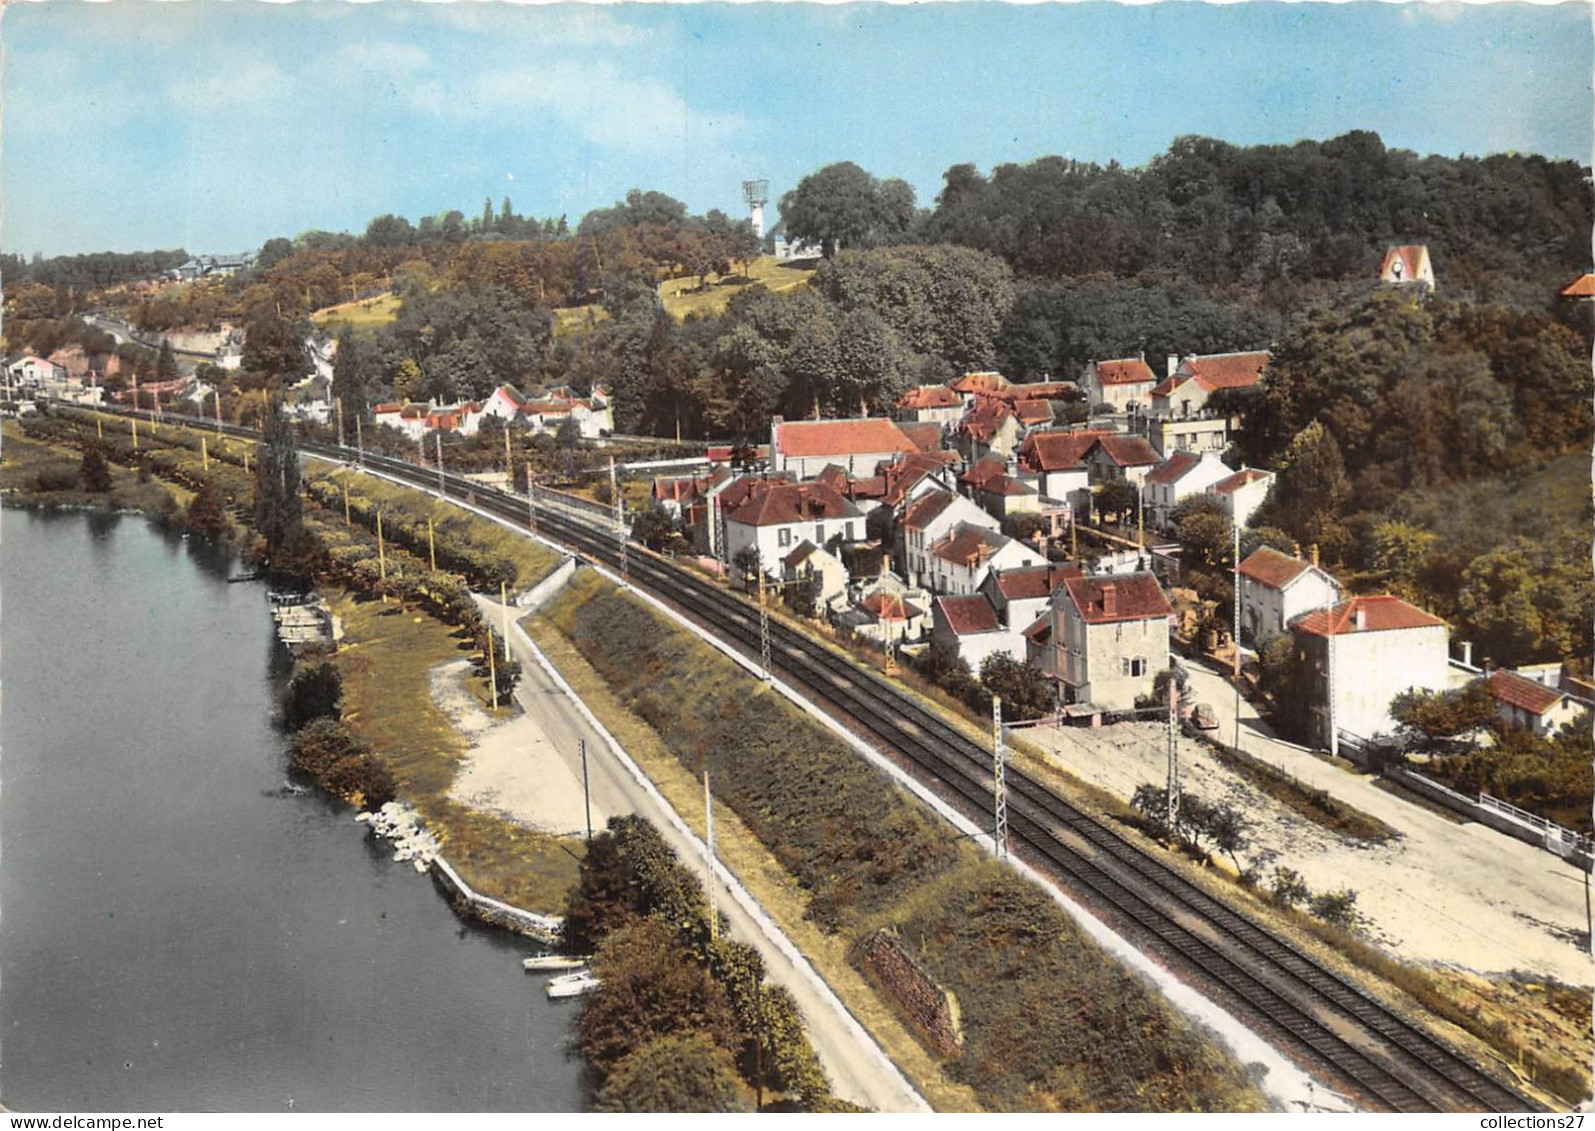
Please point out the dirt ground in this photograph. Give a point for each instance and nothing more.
(1444, 894)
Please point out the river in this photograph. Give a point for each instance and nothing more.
(180, 932)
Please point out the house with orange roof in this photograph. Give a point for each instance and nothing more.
(928, 519)
(960, 561)
(1119, 383)
(1181, 475)
(1109, 638)
(805, 447)
(1276, 588)
(1359, 655)
(1115, 457)
(1529, 704)
(1185, 392)
(777, 516)
(1057, 460)
(1581, 288)
(1242, 494)
(997, 492)
(1407, 264)
(930, 404)
(1023, 593)
(984, 383)
(989, 427)
(968, 625)
(409, 418)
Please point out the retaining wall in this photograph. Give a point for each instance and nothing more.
(489, 910)
(1470, 808)
(933, 1009)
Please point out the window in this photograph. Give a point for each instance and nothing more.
(783, 537)
(848, 536)
(1137, 666)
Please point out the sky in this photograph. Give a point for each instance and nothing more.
(214, 125)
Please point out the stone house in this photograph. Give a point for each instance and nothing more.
(1109, 638)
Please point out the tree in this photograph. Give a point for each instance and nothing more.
(685, 1072)
(389, 231)
(1427, 717)
(651, 986)
(1025, 692)
(1311, 491)
(745, 564)
(839, 204)
(314, 692)
(1115, 499)
(653, 527)
(207, 510)
(274, 347)
(278, 508)
(166, 362)
(94, 473)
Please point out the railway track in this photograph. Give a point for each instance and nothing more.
(1325, 1023)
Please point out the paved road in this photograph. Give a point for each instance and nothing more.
(858, 1071)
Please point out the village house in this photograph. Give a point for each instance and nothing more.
(1276, 589)
(1242, 493)
(988, 428)
(969, 627)
(929, 518)
(1122, 383)
(1021, 595)
(1530, 705)
(1184, 394)
(809, 561)
(892, 618)
(998, 493)
(719, 496)
(930, 404)
(34, 372)
(407, 418)
(1581, 289)
(1408, 263)
(1115, 458)
(1057, 460)
(1180, 476)
(984, 383)
(1359, 655)
(777, 516)
(1109, 638)
(805, 447)
(960, 561)
(1170, 434)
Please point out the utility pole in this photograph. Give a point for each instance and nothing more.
(720, 553)
(764, 630)
(359, 443)
(218, 395)
(382, 557)
(509, 462)
(999, 781)
(587, 797)
(345, 485)
(431, 546)
(504, 603)
(531, 501)
(1173, 817)
(340, 422)
(1329, 675)
(620, 524)
(1235, 629)
(492, 669)
(204, 455)
(708, 844)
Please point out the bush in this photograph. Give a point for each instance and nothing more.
(686, 1072)
(95, 473)
(362, 780)
(314, 692)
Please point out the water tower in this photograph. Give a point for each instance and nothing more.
(757, 194)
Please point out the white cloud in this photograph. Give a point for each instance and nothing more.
(598, 101)
(537, 23)
(245, 83)
(388, 60)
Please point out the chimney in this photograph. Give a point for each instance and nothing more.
(1467, 652)
(1359, 617)
(1174, 363)
(1110, 600)
(1315, 555)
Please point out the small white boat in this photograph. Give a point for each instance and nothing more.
(553, 962)
(572, 985)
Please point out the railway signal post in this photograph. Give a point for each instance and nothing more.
(999, 781)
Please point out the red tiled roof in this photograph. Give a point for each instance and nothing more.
(810, 438)
(982, 382)
(1581, 287)
(1033, 411)
(1380, 614)
(968, 546)
(833, 477)
(1028, 582)
(1128, 451)
(900, 474)
(923, 510)
(1524, 694)
(1227, 370)
(1174, 381)
(929, 396)
(1057, 451)
(781, 503)
(965, 615)
(676, 490)
(1124, 371)
(982, 421)
(386, 408)
(1130, 596)
(1243, 477)
(887, 606)
(926, 437)
(721, 453)
(983, 470)
(743, 488)
(511, 394)
(546, 408)
(800, 554)
(1173, 469)
(1040, 390)
(1267, 566)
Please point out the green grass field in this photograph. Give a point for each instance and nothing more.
(775, 275)
(361, 317)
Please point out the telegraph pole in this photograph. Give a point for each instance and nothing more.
(708, 843)
(1235, 587)
(359, 443)
(340, 423)
(999, 781)
(764, 630)
(620, 524)
(218, 395)
(531, 501)
(431, 546)
(441, 490)
(587, 797)
(504, 602)
(1173, 817)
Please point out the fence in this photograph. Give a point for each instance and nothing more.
(1498, 815)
